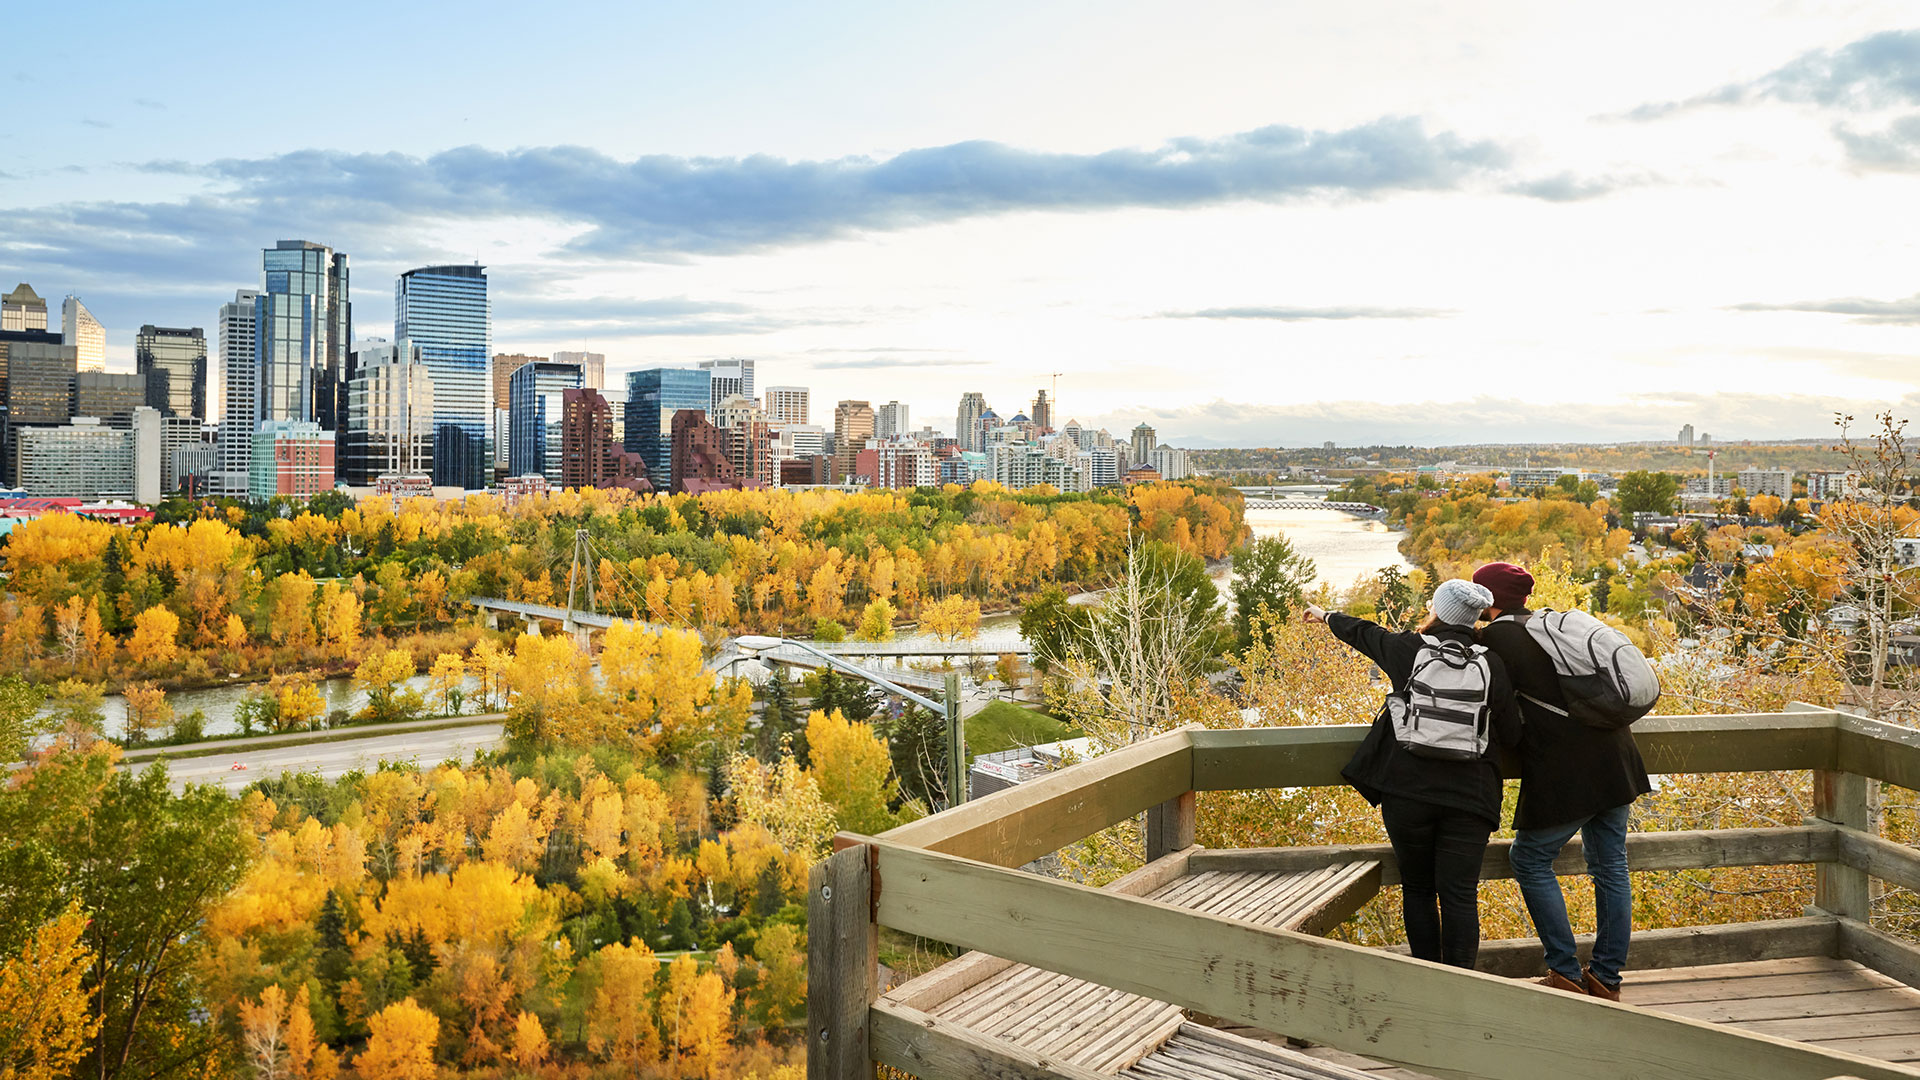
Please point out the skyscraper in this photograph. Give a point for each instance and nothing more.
(890, 420)
(303, 329)
(240, 368)
(22, 309)
(1042, 413)
(539, 417)
(174, 363)
(389, 415)
(730, 377)
(443, 309)
(852, 427)
(972, 404)
(81, 330)
(593, 367)
(653, 396)
(1141, 452)
(786, 405)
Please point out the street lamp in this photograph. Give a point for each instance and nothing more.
(755, 644)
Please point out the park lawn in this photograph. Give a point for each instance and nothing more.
(1004, 725)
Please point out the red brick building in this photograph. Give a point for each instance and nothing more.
(702, 458)
(588, 455)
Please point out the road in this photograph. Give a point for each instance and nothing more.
(331, 759)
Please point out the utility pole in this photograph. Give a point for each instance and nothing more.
(956, 744)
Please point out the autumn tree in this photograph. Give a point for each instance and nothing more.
(620, 1026)
(46, 1014)
(291, 621)
(852, 769)
(400, 1043)
(339, 621)
(379, 675)
(702, 1007)
(1269, 576)
(781, 994)
(956, 618)
(447, 681)
(20, 719)
(156, 633)
(876, 622)
(147, 711)
(529, 1042)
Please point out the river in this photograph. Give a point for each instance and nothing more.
(1342, 547)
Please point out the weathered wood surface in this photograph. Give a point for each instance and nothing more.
(1880, 951)
(1016, 826)
(1876, 856)
(934, 1049)
(1170, 826)
(842, 942)
(1690, 850)
(1345, 996)
(1251, 758)
(1826, 1002)
(1676, 947)
(1198, 1052)
(1875, 748)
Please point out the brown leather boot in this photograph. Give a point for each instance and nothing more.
(1596, 988)
(1557, 981)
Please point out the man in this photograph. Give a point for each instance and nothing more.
(1573, 779)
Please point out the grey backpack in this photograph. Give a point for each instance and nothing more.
(1607, 682)
(1443, 712)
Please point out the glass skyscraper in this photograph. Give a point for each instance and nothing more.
(174, 364)
(303, 327)
(537, 392)
(240, 368)
(653, 396)
(443, 310)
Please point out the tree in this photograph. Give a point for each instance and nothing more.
(378, 675)
(447, 680)
(46, 1014)
(621, 1026)
(77, 713)
(298, 705)
(780, 719)
(876, 622)
(20, 722)
(1270, 577)
(147, 711)
(263, 1034)
(529, 1042)
(76, 626)
(156, 633)
(292, 620)
(339, 619)
(851, 767)
(1053, 627)
(703, 1008)
(782, 993)
(1643, 492)
(826, 630)
(954, 619)
(400, 1043)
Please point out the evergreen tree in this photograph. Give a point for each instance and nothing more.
(680, 926)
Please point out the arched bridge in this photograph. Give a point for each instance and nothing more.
(1358, 508)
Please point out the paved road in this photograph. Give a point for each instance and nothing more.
(332, 759)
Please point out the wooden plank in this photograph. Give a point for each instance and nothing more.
(1156, 874)
(1878, 857)
(1251, 758)
(1703, 990)
(1883, 751)
(1838, 1025)
(933, 1049)
(1356, 885)
(1420, 1014)
(1841, 798)
(1255, 1050)
(1686, 850)
(1170, 826)
(1790, 965)
(1684, 946)
(1846, 1002)
(842, 950)
(1880, 951)
(1022, 823)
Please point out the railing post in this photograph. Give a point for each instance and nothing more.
(1170, 827)
(1841, 798)
(842, 953)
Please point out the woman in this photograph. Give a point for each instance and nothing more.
(1438, 811)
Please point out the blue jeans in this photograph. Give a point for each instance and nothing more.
(1604, 837)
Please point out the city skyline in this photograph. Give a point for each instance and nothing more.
(1207, 222)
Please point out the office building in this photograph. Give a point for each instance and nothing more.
(592, 365)
(786, 405)
(1686, 436)
(538, 407)
(81, 330)
(108, 396)
(174, 364)
(22, 309)
(444, 310)
(303, 329)
(1023, 465)
(730, 377)
(240, 377)
(1102, 466)
(1142, 446)
(1775, 482)
(699, 461)
(966, 423)
(1714, 487)
(1537, 477)
(890, 420)
(654, 395)
(793, 443)
(86, 459)
(193, 467)
(504, 365)
(179, 434)
(852, 427)
(1043, 413)
(1831, 484)
(291, 457)
(39, 389)
(1170, 462)
(589, 456)
(389, 416)
(897, 463)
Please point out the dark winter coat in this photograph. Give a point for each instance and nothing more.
(1380, 768)
(1568, 771)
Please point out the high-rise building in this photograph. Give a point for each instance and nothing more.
(240, 373)
(22, 309)
(654, 395)
(593, 367)
(539, 417)
(700, 461)
(107, 396)
(39, 391)
(504, 365)
(890, 420)
(1170, 462)
(174, 364)
(1775, 482)
(1686, 436)
(389, 415)
(86, 459)
(852, 427)
(291, 457)
(966, 424)
(1102, 466)
(303, 329)
(897, 463)
(181, 435)
(81, 330)
(786, 405)
(443, 309)
(730, 377)
(1143, 443)
(1043, 413)
(589, 457)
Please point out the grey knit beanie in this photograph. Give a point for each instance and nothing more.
(1460, 602)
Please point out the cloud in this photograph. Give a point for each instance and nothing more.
(1310, 314)
(1869, 312)
(526, 315)
(863, 363)
(1895, 148)
(149, 103)
(92, 123)
(1570, 187)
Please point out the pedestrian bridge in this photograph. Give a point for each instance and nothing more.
(1359, 508)
(1212, 964)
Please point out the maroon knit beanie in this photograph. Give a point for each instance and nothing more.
(1509, 584)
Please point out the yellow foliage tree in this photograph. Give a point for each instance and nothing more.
(703, 1009)
(147, 711)
(400, 1043)
(954, 619)
(45, 1013)
(529, 1042)
(876, 622)
(339, 620)
(299, 701)
(156, 636)
(782, 991)
(448, 676)
(620, 1028)
(292, 621)
(852, 769)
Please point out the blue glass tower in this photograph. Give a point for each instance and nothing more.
(538, 412)
(653, 396)
(443, 310)
(303, 327)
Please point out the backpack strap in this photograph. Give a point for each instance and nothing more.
(1554, 709)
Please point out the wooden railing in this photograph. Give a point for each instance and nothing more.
(949, 877)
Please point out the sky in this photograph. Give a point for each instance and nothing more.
(1246, 224)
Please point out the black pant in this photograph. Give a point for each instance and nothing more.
(1439, 850)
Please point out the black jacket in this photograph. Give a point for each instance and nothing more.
(1380, 768)
(1568, 770)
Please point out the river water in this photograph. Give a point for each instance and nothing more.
(1343, 548)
